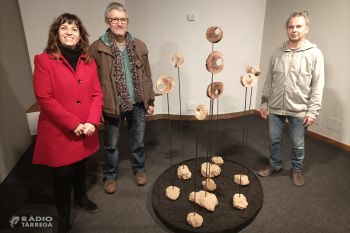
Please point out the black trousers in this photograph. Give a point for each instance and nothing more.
(63, 179)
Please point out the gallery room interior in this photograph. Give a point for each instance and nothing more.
(252, 30)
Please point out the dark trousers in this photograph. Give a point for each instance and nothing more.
(136, 123)
(63, 179)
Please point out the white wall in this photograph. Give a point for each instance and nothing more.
(163, 26)
(16, 92)
(38, 16)
(330, 31)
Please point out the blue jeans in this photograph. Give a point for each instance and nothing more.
(297, 133)
(136, 124)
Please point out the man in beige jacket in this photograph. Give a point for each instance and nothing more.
(125, 78)
(293, 90)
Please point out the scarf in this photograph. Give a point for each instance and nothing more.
(118, 74)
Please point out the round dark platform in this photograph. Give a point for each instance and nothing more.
(225, 218)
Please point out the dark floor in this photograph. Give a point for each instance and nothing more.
(321, 205)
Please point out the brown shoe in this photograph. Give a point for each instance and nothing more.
(110, 186)
(141, 178)
(268, 171)
(297, 178)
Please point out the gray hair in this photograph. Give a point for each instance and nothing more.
(299, 14)
(115, 6)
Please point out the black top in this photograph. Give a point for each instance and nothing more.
(71, 55)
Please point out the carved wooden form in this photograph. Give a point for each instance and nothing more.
(179, 59)
(168, 83)
(212, 36)
(201, 112)
(215, 89)
(248, 80)
(211, 64)
(253, 70)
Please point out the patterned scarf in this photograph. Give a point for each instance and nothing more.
(118, 74)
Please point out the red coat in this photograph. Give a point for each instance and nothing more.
(66, 99)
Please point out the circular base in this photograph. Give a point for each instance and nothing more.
(225, 218)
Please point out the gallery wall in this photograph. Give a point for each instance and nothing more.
(163, 26)
(250, 35)
(330, 31)
(38, 15)
(16, 92)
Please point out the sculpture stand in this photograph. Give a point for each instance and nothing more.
(225, 218)
(246, 135)
(171, 157)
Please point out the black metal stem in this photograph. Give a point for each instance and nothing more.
(182, 145)
(210, 119)
(171, 158)
(240, 176)
(217, 128)
(250, 102)
(195, 173)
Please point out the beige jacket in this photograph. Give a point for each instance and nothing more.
(294, 82)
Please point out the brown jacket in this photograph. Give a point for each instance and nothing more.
(103, 57)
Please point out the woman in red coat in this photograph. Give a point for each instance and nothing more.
(67, 89)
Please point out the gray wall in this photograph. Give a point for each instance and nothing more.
(163, 26)
(330, 31)
(16, 89)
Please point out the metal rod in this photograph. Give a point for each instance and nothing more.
(195, 173)
(171, 158)
(250, 102)
(240, 176)
(210, 110)
(217, 128)
(182, 145)
(210, 130)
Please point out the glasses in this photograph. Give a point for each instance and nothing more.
(116, 20)
(298, 12)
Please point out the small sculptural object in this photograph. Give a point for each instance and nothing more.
(205, 199)
(172, 192)
(240, 201)
(212, 65)
(215, 170)
(243, 179)
(214, 34)
(209, 185)
(168, 83)
(183, 172)
(195, 220)
(179, 59)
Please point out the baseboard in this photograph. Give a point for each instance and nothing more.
(320, 136)
(229, 116)
(193, 118)
(190, 117)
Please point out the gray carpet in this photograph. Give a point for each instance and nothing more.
(321, 205)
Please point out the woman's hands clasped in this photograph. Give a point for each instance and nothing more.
(87, 129)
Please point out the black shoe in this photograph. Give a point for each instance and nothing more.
(63, 224)
(85, 205)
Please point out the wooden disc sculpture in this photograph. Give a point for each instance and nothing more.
(179, 59)
(215, 90)
(212, 65)
(168, 83)
(253, 70)
(211, 167)
(250, 78)
(201, 112)
(214, 37)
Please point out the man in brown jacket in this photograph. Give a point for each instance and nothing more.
(125, 79)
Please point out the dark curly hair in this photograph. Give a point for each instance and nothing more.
(54, 41)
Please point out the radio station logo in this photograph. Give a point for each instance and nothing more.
(31, 221)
